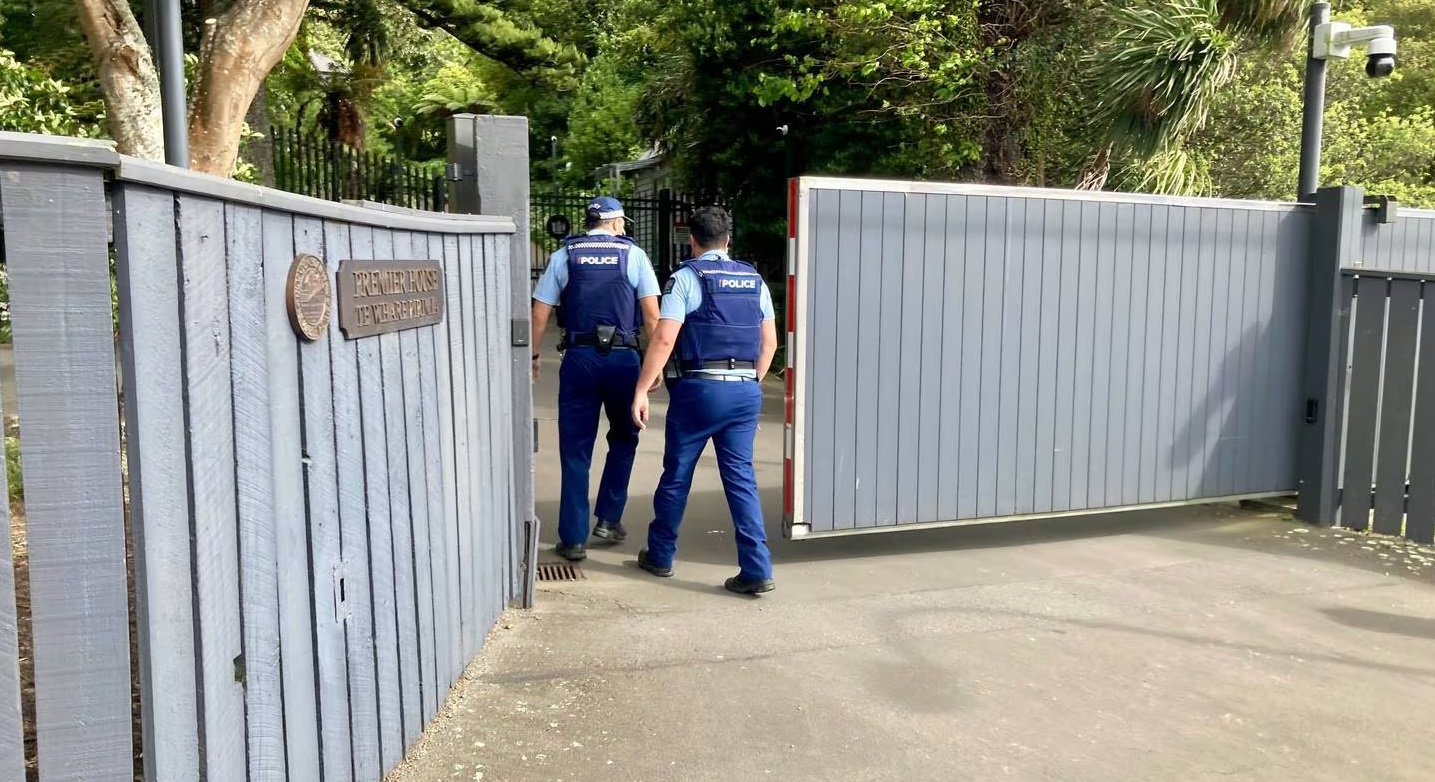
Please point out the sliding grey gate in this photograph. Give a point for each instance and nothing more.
(962, 354)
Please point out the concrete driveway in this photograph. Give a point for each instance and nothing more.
(1183, 645)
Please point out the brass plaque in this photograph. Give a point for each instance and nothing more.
(309, 297)
(378, 297)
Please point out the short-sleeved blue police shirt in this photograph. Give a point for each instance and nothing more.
(555, 277)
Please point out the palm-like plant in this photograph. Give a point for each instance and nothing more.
(1157, 74)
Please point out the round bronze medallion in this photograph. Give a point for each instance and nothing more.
(309, 297)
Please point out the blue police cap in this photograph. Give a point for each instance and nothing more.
(604, 208)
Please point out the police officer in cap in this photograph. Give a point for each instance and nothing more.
(606, 293)
(717, 323)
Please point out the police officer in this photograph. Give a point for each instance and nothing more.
(606, 291)
(717, 323)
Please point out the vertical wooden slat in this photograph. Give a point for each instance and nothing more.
(321, 493)
(486, 515)
(452, 426)
(1066, 310)
(1420, 525)
(254, 455)
(934, 279)
(1395, 407)
(505, 565)
(454, 321)
(353, 530)
(1132, 412)
(151, 334)
(1246, 266)
(209, 421)
(380, 523)
(1032, 281)
(846, 272)
(421, 561)
(1049, 246)
(400, 514)
(430, 247)
(57, 258)
(1012, 248)
(12, 720)
(1156, 231)
(1370, 305)
(478, 446)
(821, 330)
(499, 436)
(296, 626)
(876, 433)
(1126, 316)
(910, 224)
(1089, 239)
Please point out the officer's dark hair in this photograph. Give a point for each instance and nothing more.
(710, 226)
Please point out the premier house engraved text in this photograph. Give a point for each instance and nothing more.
(378, 297)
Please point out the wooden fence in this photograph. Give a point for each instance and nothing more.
(322, 531)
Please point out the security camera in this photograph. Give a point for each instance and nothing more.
(1336, 39)
(1380, 58)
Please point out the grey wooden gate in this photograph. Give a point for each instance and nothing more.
(1368, 440)
(962, 354)
(323, 532)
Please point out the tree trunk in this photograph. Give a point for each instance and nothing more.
(239, 50)
(128, 77)
(260, 151)
(1094, 173)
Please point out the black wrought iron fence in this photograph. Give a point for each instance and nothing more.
(658, 225)
(327, 169)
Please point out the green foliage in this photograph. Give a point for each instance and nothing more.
(32, 102)
(601, 129)
(1379, 133)
(1158, 73)
(14, 471)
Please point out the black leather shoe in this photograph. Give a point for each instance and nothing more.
(660, 572)
(742, 586)
(573, 553)
(610, 531)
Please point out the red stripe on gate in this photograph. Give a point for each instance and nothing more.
(791, 208)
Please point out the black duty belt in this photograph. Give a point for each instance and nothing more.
(591, 340)
(732, 363)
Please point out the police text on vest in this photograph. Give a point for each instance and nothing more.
(748, 284)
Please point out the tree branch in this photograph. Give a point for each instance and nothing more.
(486, 29)
(239, 49)
(128, 77)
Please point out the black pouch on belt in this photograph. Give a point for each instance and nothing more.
(603, 339)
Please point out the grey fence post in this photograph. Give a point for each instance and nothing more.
(488, 156)
(1335, 243)
(462, 162)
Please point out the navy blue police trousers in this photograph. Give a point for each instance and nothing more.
(725, 412)
(590, 383)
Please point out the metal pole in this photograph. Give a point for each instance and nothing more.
(1314, 110)
(167, 45)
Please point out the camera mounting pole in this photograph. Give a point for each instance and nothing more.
(1314, 109)
(1333, 40)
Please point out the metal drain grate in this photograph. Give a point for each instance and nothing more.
(560, 572)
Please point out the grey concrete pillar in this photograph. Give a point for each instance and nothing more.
(488, 173)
